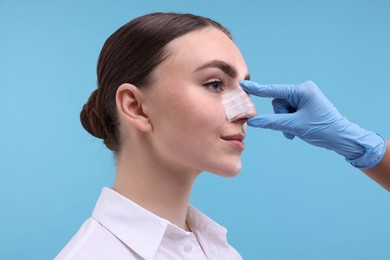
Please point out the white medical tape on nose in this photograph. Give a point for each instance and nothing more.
(237, 103)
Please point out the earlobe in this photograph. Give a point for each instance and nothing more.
(130, 102)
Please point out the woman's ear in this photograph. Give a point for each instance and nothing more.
(130, 102)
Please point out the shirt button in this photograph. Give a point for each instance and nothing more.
(187, 248)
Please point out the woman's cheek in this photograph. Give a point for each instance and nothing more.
(196, 108)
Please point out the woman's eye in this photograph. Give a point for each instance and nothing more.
(215, 85)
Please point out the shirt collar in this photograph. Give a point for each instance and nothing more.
(139, 229)
(209, 234)
(143, 231)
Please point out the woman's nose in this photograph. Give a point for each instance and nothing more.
(238, 105)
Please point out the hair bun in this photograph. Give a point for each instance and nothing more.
(90, 119)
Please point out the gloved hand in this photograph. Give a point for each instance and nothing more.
(302, 110)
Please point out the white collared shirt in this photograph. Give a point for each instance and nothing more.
(121, 229)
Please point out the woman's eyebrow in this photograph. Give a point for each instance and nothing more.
(226, 68)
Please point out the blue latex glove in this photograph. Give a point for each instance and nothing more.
(302, 110)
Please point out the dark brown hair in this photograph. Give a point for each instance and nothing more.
(130, 55)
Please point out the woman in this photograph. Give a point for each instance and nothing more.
(159, 107)
(169, 104)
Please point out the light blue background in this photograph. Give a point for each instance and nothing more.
(291, 200)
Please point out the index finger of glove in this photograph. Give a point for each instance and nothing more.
(280, 91)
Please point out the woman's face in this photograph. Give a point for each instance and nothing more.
(190, 128)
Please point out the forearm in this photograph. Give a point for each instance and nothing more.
(381, 172)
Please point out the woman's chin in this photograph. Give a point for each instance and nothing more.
(230, 171)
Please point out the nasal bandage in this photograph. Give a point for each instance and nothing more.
(237, 103)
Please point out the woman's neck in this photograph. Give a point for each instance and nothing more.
(161, 189)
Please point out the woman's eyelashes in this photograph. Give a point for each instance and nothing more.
(215, 85)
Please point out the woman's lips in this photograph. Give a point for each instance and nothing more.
(236, 140)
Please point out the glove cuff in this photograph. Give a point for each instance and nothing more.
(375, 150)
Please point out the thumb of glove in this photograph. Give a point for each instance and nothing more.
(279, 122)
(282, 106)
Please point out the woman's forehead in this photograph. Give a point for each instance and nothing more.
(202, 48)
